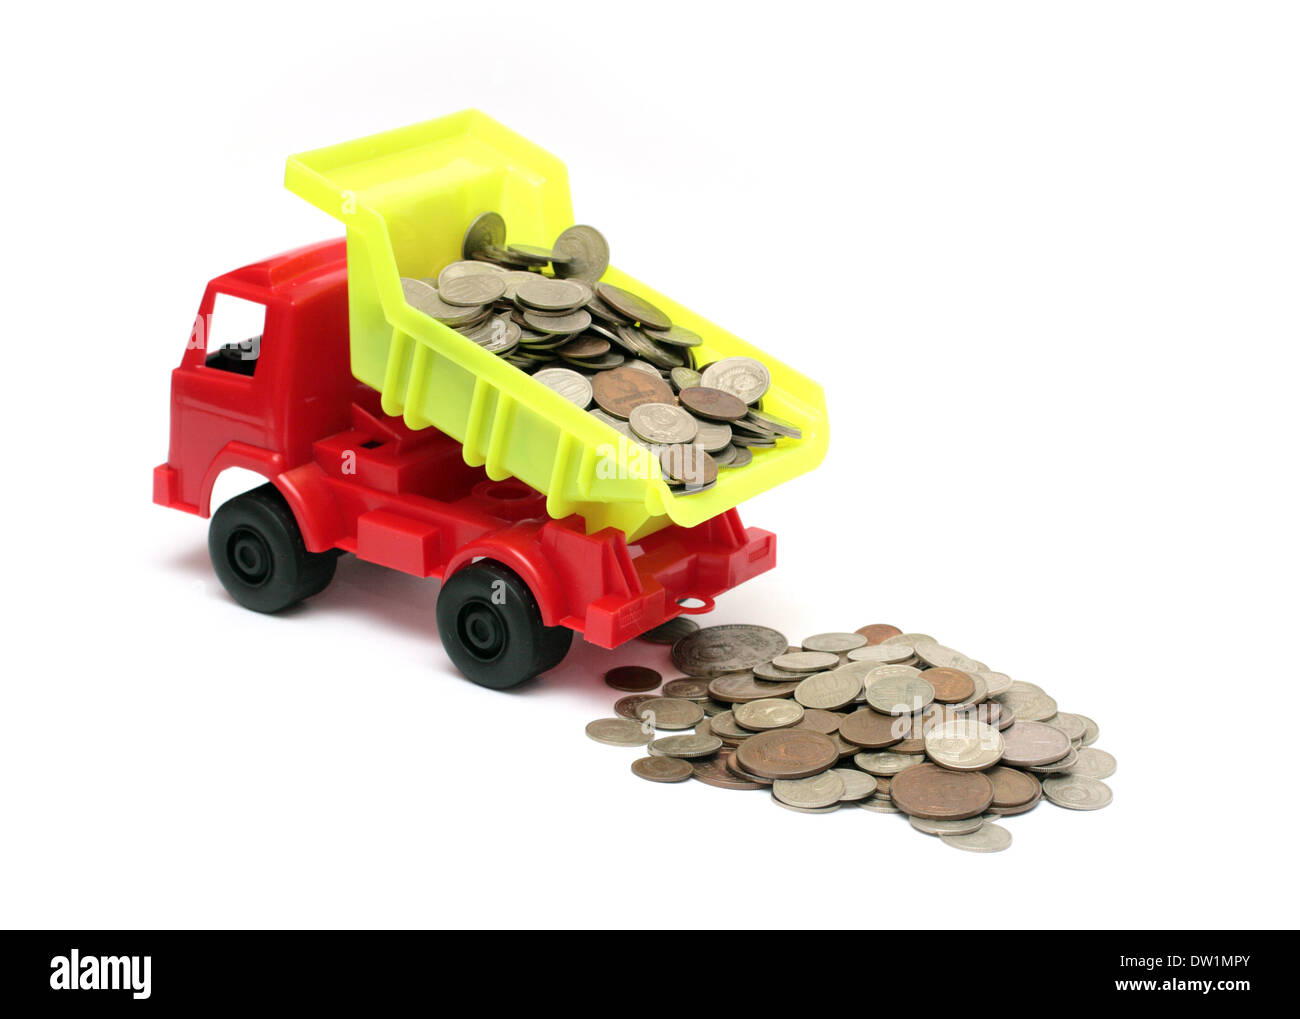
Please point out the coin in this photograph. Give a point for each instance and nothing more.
(584, 348)
(787, 753)
(964, 745)
(1093, 763)
(951, 686)
(688, 687)
(740, 687)
(633, 678)
(561, 327)
(806, 810)
(898, 690)
(1076, 792)
(775, 424)
(662, 769)
(964, 826)
(473, 290)
(714, 771)
(939, 794)
(713, 437)
(556, 295)
(1030, 744)
(487, 231)
(996, 682)
(884, 654)
(670, 712)
(423, 297)
(674, 336)
(1013, 788)
(806, 661)
(1020, 808)
(938, 656)
(731, 647)
(810, 793)
(1072, 725)
(713, 403)
(622, 390)
(878, 632)
(671, 632)
(455, 270)
(869, 728)
(742, 377)
(1090, 732)
(690, 465)
(827, 690)
(1029, 702)
(990, 838)
(834, 643)
(725, 726)
(1066, 763)
(825, 722)
(684, 378)
(858, 785)
(686, 745)
(583, 253)
(661, 423)
(886, 762)
(618, 732)
(768, 713)
(569, 384)
(628, 707)
(736, 769)
(632, 307)
(878, 805)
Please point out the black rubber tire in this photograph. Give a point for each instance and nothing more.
(258, 553)
(492, 629)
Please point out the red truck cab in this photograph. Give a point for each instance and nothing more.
(343, 477)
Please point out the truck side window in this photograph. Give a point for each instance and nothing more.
(234, 335)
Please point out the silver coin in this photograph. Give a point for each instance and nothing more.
(1093, 763)
(834, 643)
(675, 336)
(878, 805)
(559, 326)
(421, 295)
(939, 657)
(487, 231)
(545, 294)
(673, 630)
(473, 290)
(882, 654)
(810, 793)
(1072, 725)
(769, 672)
(584, 254)
(898, 690)
(964, 745)
(1091, 733)
(989, 838)
(768, 713)
(473, 267)
(686, 745)
(568, 383)
(806, 810)
(963, 827)
(1028, 702)
(619, 732)
(669, 712)
(662, 423)
(1076, 792)
(828, 690)
(858, 785)
(742, 377)
(685, 378)
(806, 661)
(886, 762)
(712, 436)
(725, 726)
(1064, 764)
(733, 647)
(775, 424)
(916, 640)
(742, 458)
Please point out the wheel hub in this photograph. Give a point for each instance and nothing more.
(249, 556)
(481, 630)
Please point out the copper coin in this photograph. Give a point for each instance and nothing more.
(734, 767)
(1012, 787)
(633, 678)
(739, 687)
(787, 753)
(939, 794)
(690, 689)
(662, 769)
(869, 728)
(876, 632)
(1030, 744)
(951, 686)
(621, 391)
(630, 706)
(629, 305)
(714, 771)
(883, 783)
(586, 345)
(818, 720)
(689, 464)
(713, 404)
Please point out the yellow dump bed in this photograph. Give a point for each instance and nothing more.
(406, 198)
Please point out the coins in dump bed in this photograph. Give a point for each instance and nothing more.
(713, 404)
(632, 307)
(768, 713)
(732, 647)
(787, 753)
(742, 377)
(669, 712)
(633, 678)
(939, 794)
(569, 384)
(1093, 763)
(583, 253)
(689, 465)
(988, 838)
(686, 745)
(671, 632)
(486, 233)
(618, 732)
(1076, 792)
(662, 769)
(661, 423)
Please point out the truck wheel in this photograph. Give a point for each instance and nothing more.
(258, 553)
(492, 629)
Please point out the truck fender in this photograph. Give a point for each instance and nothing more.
(521, 554)
(237, 454)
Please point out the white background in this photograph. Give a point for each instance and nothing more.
(1044, 258)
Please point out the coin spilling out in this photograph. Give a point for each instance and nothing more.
(940, 737)
(548, 311)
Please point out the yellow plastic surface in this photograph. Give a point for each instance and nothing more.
(406, 198)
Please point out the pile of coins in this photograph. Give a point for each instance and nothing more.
(892, 722)
(610, 351)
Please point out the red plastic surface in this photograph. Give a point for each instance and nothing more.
(363, 482)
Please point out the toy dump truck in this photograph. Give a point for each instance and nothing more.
(384, 433)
